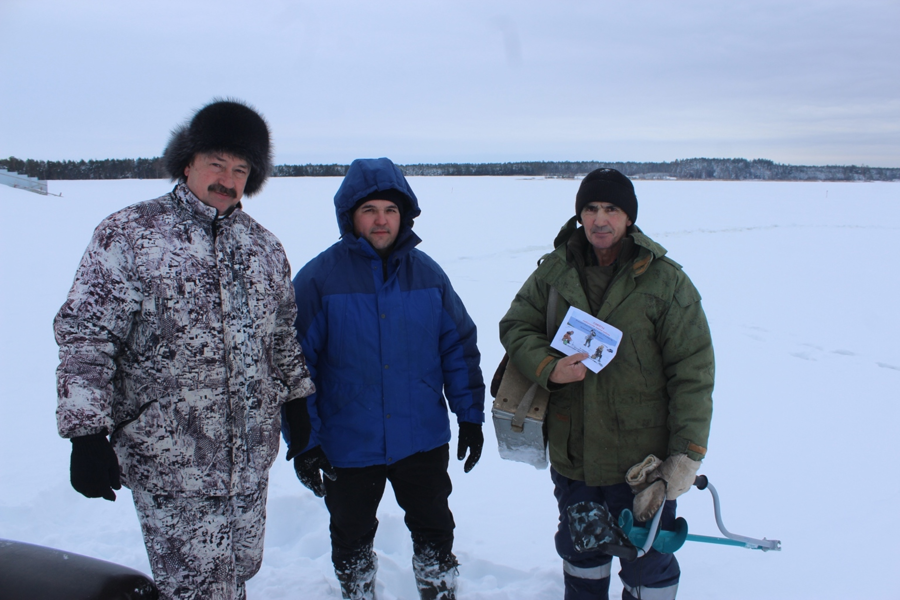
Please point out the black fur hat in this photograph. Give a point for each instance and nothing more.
(228, 126)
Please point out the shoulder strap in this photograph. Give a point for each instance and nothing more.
(518, 420)
(551, 310)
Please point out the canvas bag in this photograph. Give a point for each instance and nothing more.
(520, 406)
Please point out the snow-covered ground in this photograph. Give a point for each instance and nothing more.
(800, 284)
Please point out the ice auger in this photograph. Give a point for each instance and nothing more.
(593, 528)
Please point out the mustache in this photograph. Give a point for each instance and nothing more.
(221, 189)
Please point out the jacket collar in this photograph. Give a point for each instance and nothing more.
(193, 206)
(559, 272)
(644, 243)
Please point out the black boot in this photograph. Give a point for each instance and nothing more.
(435, 578)
(357, 577)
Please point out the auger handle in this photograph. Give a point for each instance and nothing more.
(765, 545)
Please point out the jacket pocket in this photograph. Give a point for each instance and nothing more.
(643, 415)
(125, 423)
(430, 409)
(332, 399)
(434, 383)
(559, 431)
(643, 430)
(645, 358)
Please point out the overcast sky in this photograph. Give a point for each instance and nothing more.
(800, 82)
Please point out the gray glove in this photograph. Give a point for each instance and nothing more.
(654, 481)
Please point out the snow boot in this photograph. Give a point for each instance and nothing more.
(436, 579)
(357, 578)
(578, 588)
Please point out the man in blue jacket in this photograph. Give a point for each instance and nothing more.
(389, 344)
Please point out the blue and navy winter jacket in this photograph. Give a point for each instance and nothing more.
(385, 342)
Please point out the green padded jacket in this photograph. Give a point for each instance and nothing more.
(655, 397)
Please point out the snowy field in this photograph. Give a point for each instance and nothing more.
(800, 284)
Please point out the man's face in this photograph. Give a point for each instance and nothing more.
(604, 224)
(378, 221)
(217, 179)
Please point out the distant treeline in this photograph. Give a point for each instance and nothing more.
(110, 168)
(733, 169)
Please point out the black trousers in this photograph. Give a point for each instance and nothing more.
(421, 486)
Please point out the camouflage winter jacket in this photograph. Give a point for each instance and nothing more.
(655, 396)
(177, 337)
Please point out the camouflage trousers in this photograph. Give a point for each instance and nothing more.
(204, 547)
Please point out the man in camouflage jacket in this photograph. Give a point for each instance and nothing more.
(653, 398)
(177, 341)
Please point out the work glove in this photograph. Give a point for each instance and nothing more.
(472, 439)
(637, 476)
(679, 473)
(296, 414)
(649, 493)
(654, 481)
(307, 467)
(94, 468)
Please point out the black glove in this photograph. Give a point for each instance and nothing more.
(94, 469)
(296, 414)
(307, 467)
(471, 438)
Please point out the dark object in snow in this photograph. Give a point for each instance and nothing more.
(30, 572)
(592, 527)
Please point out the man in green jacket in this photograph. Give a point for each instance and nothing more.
(633, 435)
